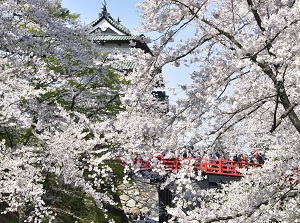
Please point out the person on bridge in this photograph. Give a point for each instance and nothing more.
(214, 156)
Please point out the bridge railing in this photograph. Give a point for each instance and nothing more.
(206, 165)
(223, 167)
(142, 164)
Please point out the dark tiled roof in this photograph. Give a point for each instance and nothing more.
(123, 66)
(96, 37)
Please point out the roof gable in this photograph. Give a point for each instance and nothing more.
(105, 21)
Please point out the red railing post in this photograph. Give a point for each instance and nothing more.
(220, 166)
(147, 165)
(204, 165)
(235, 170)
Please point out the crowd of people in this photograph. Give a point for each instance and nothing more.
(253, 157)
(139, 216)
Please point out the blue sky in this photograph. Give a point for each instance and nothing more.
(89, 10)
(129, 16)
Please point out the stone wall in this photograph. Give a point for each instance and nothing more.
(139, 197)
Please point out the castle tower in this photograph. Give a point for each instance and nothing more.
(110, 34)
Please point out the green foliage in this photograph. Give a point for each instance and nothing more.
(54, 64)
(118, 170)
(9, 217)
(71, 204)
(14, 136)
(64, 13)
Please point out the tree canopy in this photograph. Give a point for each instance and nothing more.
(64, 112)
(56, 90)
(244, 92)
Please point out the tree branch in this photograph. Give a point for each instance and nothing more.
(286, 113)
(256, 15)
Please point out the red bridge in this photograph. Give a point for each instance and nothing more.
(218, 171)
(206, 165)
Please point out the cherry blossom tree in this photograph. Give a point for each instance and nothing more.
(56, 91)
(243, 62)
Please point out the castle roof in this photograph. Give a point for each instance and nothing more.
(106, 29)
